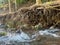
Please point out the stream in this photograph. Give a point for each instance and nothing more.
(15, 38)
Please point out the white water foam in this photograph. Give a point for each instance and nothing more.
(23, 37)
(50, 32)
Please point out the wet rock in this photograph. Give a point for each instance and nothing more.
(18, 31)
(2, 25)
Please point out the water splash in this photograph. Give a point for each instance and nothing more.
(51, 32)
(24, 37)
(17, 37)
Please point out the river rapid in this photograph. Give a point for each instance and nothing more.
(12, 38)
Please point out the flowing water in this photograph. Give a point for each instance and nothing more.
(15, 38)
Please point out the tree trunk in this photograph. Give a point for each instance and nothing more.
(15, 5)
(9, 1)
(38, 2)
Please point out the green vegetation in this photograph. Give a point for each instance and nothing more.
(45, 0)
(1, 5)
(9, 24)
(3, 33)
(21, 1)
(12, 24)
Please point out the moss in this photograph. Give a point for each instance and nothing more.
(3, 33)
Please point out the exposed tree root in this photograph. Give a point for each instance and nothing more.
(47, 14)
